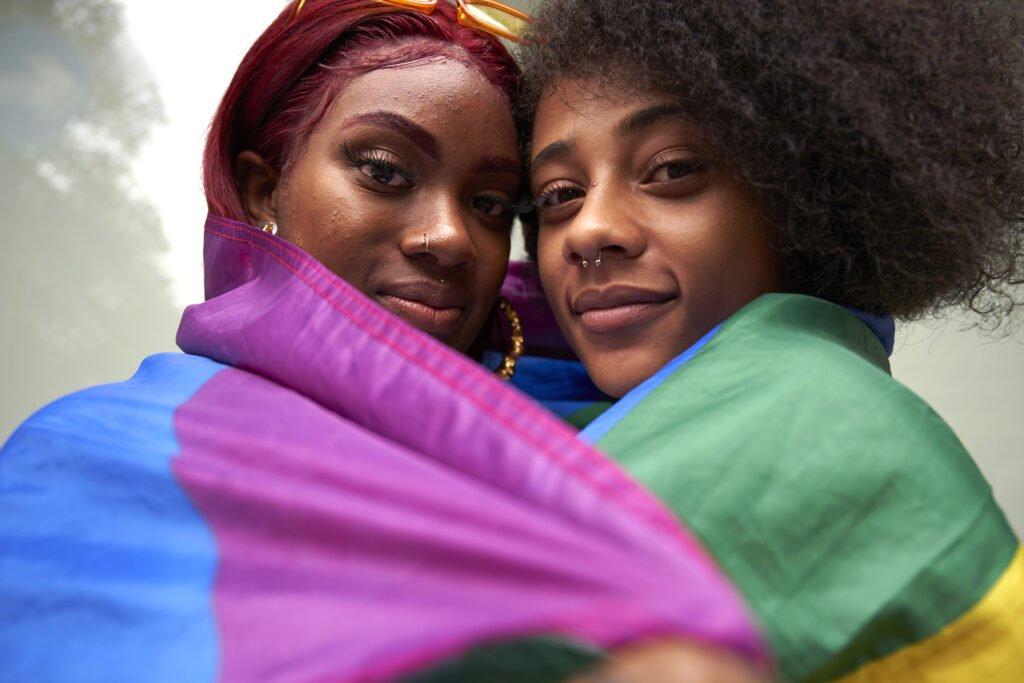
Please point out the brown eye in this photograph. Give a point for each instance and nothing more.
(557, 196)
(675, 170)
(385, 173)
(491, 206)
(378, 165)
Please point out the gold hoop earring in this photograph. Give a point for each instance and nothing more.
(516, 343)
(269, 227)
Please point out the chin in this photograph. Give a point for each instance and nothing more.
(616, 387)
(465, 338)
(458, 342)
(619, 378)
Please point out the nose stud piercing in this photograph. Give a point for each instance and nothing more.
(426, 243)
(584, 263)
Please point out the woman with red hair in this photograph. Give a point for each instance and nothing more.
(383, 144)
(316, 489)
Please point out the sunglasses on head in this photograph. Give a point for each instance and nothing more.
(489, 16)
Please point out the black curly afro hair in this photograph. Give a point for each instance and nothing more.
(882, 137)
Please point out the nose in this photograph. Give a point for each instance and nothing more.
(604, 230)
(441, 236)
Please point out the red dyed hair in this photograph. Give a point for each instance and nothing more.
(294, 71)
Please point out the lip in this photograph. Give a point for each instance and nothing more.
(618, 308)
(433, 309)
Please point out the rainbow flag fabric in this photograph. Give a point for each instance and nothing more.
(846, 511)
(314, 491)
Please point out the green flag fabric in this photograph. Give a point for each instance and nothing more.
(848, 513)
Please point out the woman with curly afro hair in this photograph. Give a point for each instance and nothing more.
(734, 200)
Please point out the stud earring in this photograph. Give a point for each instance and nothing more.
(269, 227)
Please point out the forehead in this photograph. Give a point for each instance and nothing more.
(587, 106)
(441, 94)
(611, 121)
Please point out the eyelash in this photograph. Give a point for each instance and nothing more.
(541, 202)
(379, 160)
(692, 166)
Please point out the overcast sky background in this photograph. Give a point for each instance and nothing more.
(190, 49)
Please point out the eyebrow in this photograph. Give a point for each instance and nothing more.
(415, 133)
(554, 151)
(631, 125)
(645, 118)
(498, 165)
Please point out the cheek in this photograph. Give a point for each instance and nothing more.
(323, 203)
(549, 256)
(492, 259)
(742, 247)
(721, 254)
(321, 221)
(709, 238)
(333, 224)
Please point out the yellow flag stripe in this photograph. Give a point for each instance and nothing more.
(985, 644)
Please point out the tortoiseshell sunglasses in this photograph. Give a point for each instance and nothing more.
(489, 16)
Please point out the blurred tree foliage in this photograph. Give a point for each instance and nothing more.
(79, 245)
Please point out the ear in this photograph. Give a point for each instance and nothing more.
(257, 181)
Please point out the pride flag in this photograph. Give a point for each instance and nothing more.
(315, 491)
(847, 512)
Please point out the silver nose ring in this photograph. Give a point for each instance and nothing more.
(584, 263)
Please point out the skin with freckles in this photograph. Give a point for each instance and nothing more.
(404, 189)
(672, 244)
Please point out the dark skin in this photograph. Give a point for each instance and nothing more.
(669, 661)
(681, 246)
(681, 243)
(348, 200)
(404, 190)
